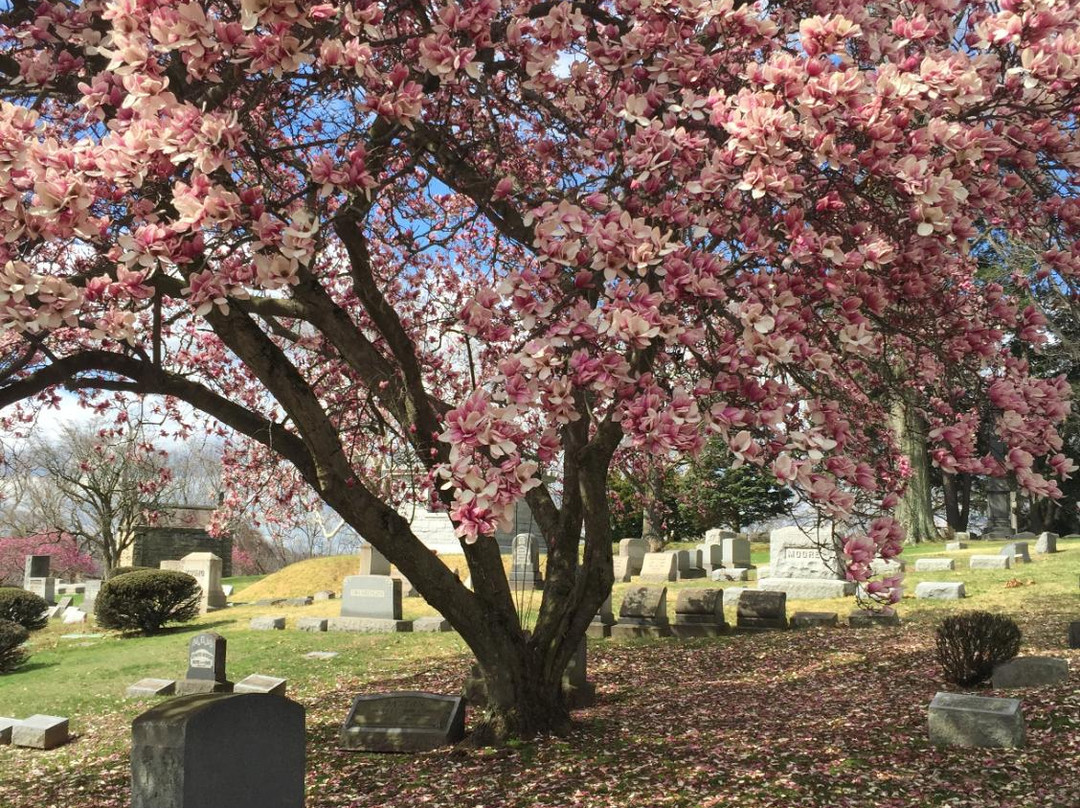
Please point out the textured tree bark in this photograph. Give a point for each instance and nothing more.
(915, 511)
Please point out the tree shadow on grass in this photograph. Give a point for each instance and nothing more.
(27, 667)
(171, 630)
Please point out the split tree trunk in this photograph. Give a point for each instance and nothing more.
(915, 511)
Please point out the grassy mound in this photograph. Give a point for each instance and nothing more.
(304, 578)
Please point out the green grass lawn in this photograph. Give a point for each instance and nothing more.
(84, 678)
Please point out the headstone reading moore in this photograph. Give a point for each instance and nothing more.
(221, 750)
(805, 566)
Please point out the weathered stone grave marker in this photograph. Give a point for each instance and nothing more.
(761, 611)
(40, 732)
(634, 550)
(1030, 671)
(805, 566)
(525, 563)
(408, 721)
(223, 750)
(206, 569)
(659, 567)
(699, 613)
(643, 613)
(206, 666)
(957, 719)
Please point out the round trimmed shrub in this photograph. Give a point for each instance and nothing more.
(970, 644)
(12, 651)
(117, 571)
(145, 600)
(24, 608)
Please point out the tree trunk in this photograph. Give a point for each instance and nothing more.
(915, 511)
(957, 488)
(652, 513)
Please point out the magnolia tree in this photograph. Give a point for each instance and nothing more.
(501, 239)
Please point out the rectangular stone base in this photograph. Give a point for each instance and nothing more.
(625, 630)
(865, 619)
(187, 687)
(6, 725)
(812, 619)
(312, 623)
(148, 688)
(598, 631)
(432, 624)
(40, 732)
(688, 630)
(960, 720)
(690, 575)
(372, 625)
(755, 625)
(808, 588)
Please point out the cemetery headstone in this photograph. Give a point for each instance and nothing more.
(325, 594)
(171, 565)
(689, 563)
(45, 588)
(577, 689)
(431, 624)
(312, 624)
(6, 725)
(999, 509)
(761, 610)
(146, 688)
(660, 567)
(525, 563)
(699, 613)
(72, 615)
(723, 574)
(602, 621)
(736, 552)
(267, 623)
(206, 569)
(368, 625)
(233, 750)
(1018, 551)
(957, 719)
(37, 566)
(40, 732)
(1074, 634)
(206, 666)
(620, 565)
(257, 683)
(90, 593)
(371, 596)
(934, 565)
(1046, 543)
(864, 618)
(716, 535)
(407, 589)
(805, 566)
(989, 562)
(1030, 671)
(712, 557)
(403, 722)
(635, 550)
(940, 590)
(372, 562)
(953, 546)
(304, 601)
(643, 613)
(815, 619)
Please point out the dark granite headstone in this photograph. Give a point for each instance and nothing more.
(403, 722)
(37, 566)
(761, 610)
(220, 750)
(1074, 635)
(206, 666)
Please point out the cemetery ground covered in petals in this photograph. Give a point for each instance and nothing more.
(814, 718)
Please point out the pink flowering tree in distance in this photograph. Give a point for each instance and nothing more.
(499, 240)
